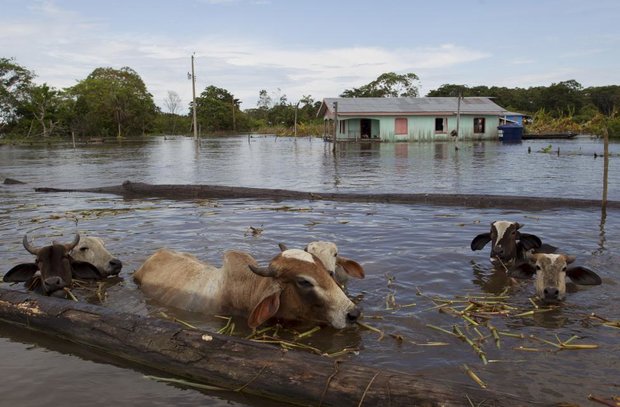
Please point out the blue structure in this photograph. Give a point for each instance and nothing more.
(510, 133)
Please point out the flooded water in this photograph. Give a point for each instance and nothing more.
(412, 254)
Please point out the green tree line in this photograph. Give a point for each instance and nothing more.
(116, 103)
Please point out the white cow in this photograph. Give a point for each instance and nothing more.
(339, 267)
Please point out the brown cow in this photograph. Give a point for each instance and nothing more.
(295, 286)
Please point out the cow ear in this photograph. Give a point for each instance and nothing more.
(480, 241)
(265, 309)
(529, 241)
(20, 273)
(351, 267)
(522, 271)
(282, 247)
(84, 271)
(583, 276)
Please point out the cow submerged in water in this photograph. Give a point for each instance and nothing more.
(339, 267)
(525, 256)
(56, 268)
(550, 272)
(508, 245)
(294, 286)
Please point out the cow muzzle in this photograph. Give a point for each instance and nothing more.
(114, 267)
(551, 295)
(53, 286)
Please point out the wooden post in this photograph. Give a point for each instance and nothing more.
(458, 115)
(335, 127)
(605, 162)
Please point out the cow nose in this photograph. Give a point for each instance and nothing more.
(115, 266)
(52, 284)
(353, 315)
(551, 293)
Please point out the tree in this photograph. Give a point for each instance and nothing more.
(42, 102)
(218, 109)
(563, 98)
(114, 101)
(605, 98)
(389, 84)
(173, 103)
(15, 81)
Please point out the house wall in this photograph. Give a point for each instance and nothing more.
(421, 128)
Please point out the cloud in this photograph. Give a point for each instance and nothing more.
(63, 47)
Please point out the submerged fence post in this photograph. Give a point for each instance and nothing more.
(335, 127)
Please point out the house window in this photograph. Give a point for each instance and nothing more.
(400, 126)
(342, 126)
(440, 124)
(478, 124)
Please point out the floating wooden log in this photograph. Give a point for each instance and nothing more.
(170, 191)
(233, 363)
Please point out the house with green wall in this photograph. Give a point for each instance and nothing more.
(411, 119)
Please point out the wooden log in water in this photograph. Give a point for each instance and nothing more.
(172, 191)
(233, 363)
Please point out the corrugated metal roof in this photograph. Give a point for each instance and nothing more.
(404, 105)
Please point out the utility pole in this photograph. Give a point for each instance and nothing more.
(335, 126)
(295, 128)
(194, 100)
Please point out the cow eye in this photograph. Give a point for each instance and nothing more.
(564, 268)
(83, 249)
(335, 254)
(303, 283)
(538, 267)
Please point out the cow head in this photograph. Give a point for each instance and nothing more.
(307, 292)
(92, 250)
(340, 268)
(54, 265)
(551, 271)
(507, 242)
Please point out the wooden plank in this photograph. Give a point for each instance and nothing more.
(233, 363)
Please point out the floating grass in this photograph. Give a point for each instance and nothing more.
(472, 375)
(185, 383)
(308, 333)
(371, 328)
(174, 319)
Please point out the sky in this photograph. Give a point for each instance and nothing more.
(296, 48)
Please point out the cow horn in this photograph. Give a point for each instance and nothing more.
(262, 271)
(282, 247)
(76, 240)
(31, 249)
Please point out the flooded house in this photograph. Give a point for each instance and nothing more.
(411, 118)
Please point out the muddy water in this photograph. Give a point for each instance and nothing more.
(411, 254)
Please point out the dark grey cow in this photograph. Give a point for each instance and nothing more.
(55, 267)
